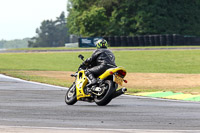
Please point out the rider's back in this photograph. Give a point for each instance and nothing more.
(105, 57)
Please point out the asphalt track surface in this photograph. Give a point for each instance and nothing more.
(30, 105)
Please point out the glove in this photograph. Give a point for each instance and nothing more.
(85, 63)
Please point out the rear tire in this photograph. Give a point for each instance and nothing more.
(70, 97)
(106, 97)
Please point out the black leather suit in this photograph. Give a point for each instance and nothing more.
(101, 60)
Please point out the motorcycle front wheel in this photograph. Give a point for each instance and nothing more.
(70, 97)
(106, 97)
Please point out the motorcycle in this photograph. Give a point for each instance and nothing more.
(102, 92)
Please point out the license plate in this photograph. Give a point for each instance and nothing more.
(118, 80)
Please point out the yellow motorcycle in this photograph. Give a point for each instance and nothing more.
(102, 92)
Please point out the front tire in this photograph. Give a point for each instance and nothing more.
(106, 97)
(70, 97)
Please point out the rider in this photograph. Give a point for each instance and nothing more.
(101, 60)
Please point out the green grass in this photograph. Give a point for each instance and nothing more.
(164, 61)
(167, 61)
(40, 61)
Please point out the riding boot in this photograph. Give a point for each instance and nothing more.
(92, 79)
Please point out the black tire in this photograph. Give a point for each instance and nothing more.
(106, 97)
(70, 97)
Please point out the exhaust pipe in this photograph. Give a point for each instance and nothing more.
(124, 89)
(119, 92)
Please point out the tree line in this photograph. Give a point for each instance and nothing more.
(95, 18)
(133, 17)
(16, 43)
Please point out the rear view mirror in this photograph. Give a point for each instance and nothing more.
(81, 57)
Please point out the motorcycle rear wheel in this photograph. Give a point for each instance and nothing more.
(106, 97)
(70, 97)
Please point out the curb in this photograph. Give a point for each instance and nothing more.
(170, 95)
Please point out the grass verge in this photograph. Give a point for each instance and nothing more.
(38, 78)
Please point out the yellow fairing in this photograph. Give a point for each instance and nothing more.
(81, 81)
(111, 70)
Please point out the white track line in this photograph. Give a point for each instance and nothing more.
(103, 129)
(32, 82)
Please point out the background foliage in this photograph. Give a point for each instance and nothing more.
(16, 43)
(51, 33)
(133, 17)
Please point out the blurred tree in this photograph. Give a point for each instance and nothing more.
(168, 17)
(16, 43)
(133, 17)
(51, 33)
